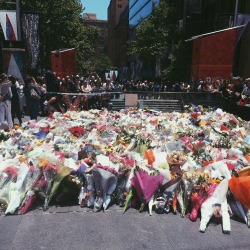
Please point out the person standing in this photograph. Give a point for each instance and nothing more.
(5, 101)
(15, 103)
(34, 91)
(22, 99)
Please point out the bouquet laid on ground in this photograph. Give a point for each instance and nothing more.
(50, 172)
(105, 180)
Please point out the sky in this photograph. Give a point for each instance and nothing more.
(98, 7)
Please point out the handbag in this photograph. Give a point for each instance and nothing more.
(34, 95)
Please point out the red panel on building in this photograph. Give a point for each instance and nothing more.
(63, 62)
(213, 55)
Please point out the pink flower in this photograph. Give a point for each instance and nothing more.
(11, 171)
(230, 165)
(111, 170)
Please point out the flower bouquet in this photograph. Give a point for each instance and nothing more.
(216, 205)
(7, 179)
(50, 172)
(8, 174)
(176, 158)
(86, 196)
(145, 186)
(199, 195)
(105, 179)
(62, 173)
(168, 196)
(188, 181)
(18, 189)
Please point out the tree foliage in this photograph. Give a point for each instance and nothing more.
(159, 37)
(96, 64)
(179, 68)
(154, 36)
(61, 26)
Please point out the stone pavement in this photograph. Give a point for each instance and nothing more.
(77, 228)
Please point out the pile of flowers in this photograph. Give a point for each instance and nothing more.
(192, 163)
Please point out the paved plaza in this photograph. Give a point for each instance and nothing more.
(79, 228)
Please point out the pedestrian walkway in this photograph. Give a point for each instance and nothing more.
(77, 228)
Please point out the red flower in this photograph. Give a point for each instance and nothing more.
(194, 115)
(223, 128)
(45, 129)
(77, 131)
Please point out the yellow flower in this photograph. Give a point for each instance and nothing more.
(39, 143)
(16, 126)
(43, 162)
(202, 124)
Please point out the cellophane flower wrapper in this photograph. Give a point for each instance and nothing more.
(216, 205)
(86, 196)
(8, 162)
(198, 197)
(16, 193)
(218, 170)
(169, 195)
(238, 209)
(145, 184)
(240, 187)
(50, 172)
(105, 180)
(7, 182)
(31, 178)
(62, 173)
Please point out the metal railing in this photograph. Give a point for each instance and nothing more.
(169, 100)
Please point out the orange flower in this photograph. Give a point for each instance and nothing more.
(22, 159)
(247, 156)
(43, 162)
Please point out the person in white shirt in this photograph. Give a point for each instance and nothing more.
(5, 102)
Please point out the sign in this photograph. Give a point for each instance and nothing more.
(131, 100)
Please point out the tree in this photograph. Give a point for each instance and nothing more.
(179, 67)
(61, 26)
(97, 64)
(158, 40)
(154, 36)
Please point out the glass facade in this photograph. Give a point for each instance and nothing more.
(140, 10)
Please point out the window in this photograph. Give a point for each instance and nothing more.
(119, 6)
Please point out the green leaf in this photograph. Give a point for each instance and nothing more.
(128, 199)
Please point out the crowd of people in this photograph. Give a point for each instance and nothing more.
(45, 94)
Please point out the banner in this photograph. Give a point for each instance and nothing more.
(13, 58)
(9, 24)
(30, 35)
(124, 74)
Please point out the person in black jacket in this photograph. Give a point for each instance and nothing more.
(34, 93)
(15, 102)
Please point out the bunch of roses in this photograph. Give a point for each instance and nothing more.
(111, 170)
(77, 131)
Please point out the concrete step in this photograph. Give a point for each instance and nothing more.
(161, 105)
